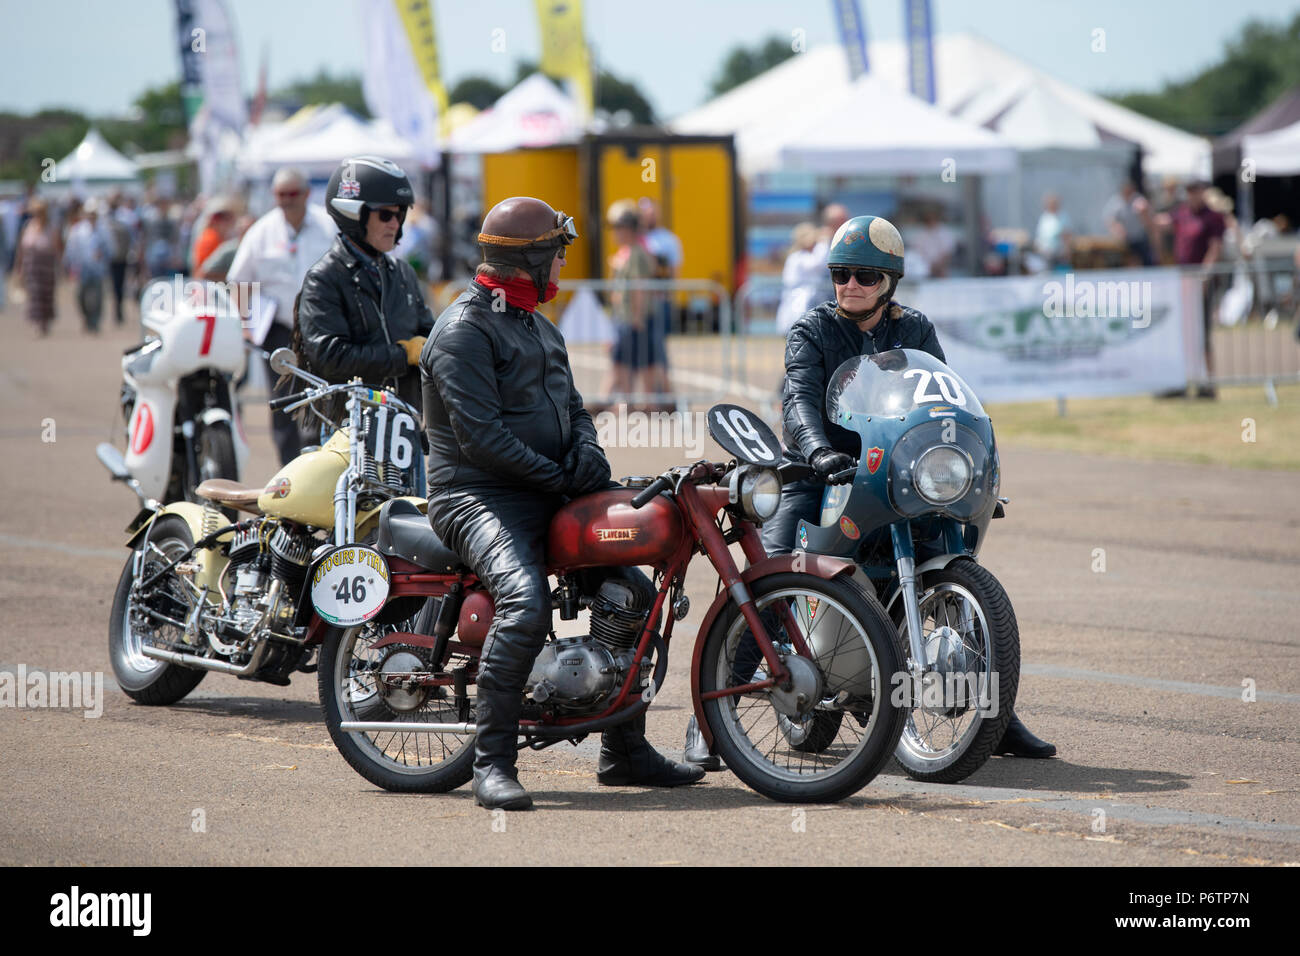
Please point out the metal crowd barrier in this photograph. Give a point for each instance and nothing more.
(689, 319)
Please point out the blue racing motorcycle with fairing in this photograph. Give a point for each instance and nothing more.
(913, 518)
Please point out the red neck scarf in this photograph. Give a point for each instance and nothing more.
(521, 293)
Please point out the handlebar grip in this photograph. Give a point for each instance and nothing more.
(278, 403)
(650, 491)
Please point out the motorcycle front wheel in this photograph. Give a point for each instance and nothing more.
(148, 680)
(942, 743)
(832, 732)
(351, 690)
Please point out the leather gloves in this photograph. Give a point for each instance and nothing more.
(413, 347)
(827, 461)
(586, 469)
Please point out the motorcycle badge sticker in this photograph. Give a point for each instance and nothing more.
(350, 585)
(874, 457)
(847, 526)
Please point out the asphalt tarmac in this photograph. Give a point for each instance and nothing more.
(1157, 607)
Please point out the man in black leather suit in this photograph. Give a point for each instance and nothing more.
(509, 441)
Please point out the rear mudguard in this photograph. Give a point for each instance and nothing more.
(212, 562)
(821, 565)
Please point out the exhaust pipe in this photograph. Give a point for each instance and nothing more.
(207, 664)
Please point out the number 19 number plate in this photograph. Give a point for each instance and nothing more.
(350, 585)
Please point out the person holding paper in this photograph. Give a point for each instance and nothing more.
(275, 254)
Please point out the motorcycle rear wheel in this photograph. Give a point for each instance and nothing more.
(855, 664)
(415, 762)
(948, 747)
(146, 679)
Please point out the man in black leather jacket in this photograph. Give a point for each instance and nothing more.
(360, 312)
(509, 440)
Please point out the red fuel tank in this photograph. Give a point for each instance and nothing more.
(604, 529)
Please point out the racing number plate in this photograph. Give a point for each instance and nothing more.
(391, 437)
(350, 585)
(744, 434)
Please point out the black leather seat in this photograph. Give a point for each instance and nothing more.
(405, 533)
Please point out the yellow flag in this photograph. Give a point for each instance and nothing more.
(417, 18)
(564, 46)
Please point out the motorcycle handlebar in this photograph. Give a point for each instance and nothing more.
(650, 491)
(278, 403)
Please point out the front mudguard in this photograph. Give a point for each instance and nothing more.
(820, 565)
(211, 561)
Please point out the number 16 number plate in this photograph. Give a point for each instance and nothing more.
(350, 585)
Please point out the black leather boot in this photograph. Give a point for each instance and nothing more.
(627, 759)
(1017, 741)
(697, 751)
(496, 782)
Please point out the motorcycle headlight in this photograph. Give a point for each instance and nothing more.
(757, 491)
(942, 474)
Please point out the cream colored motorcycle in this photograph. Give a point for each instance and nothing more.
(203, 593)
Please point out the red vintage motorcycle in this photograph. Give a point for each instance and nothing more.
(792, 662)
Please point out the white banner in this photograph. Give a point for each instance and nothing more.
(395, 84)
(1067, 334)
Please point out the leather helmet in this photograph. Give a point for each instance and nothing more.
(524, 233)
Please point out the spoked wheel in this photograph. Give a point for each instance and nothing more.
(973, 645)
(828, 735)
(353, 687)
(148, 680)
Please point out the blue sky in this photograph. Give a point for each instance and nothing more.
(97, 55)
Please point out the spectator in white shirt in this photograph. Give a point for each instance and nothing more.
(802, 278)
(276, 253)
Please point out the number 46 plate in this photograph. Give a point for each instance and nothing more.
(350, 585)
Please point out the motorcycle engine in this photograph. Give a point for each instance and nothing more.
(573, 674)
(258, 555)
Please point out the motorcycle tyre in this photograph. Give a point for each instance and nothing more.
(167, 683)
(882, 738)
(1001, 617)
(439, 778)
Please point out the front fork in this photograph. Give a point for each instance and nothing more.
(900, 533)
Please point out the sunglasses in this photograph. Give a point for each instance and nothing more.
(866, 277)
(288, 194)
(387, 215)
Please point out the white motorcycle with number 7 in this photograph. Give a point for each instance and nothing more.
(178, 400)
(202, 593)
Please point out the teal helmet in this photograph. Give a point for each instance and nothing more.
(868, 242)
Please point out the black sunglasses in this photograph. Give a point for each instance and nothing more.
(387, 215)
(866, 277)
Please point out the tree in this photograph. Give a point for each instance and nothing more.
(611, 93)
(1259, 64)
(324, 87)
(742, 63)
(478, 91)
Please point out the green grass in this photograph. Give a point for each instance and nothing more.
(1199, 431)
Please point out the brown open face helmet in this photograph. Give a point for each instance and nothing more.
(525, 233)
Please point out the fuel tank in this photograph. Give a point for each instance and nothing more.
(303, 490)
(603, 529)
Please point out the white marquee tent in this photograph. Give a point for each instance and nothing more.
(534, 113)
(967, 68)
(319, 141)
(866, 128)
(1275, 153)
(94, 161)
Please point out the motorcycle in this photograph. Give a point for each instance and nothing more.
(202, 594)
(400, 705)
(913, 518)
(182, 422)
